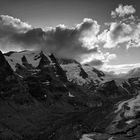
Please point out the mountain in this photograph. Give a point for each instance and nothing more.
(134, 73)
(76, 73)
(44, 97)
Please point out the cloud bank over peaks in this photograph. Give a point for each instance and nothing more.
(64, 42)
(73, 42)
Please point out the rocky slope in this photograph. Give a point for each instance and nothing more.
(133, 73)
(75, 72)
(43, 97)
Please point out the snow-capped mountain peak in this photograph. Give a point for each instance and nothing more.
(75, 72)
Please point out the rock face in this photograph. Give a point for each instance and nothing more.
(46, 98)
(5, 69)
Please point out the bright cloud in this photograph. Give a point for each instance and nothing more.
(14, 24)
(123, 68)
(119, 33)
(121, 11)
(100, 56)
(89, 37)
(125, 30)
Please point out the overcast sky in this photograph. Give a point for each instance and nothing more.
(103, 33)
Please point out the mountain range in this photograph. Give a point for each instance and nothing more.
(43, 97)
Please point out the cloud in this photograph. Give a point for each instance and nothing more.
(110, 56)
(73, 42)
(119, 33)
(89, 30)
(62, 41)
(123, 68)
(10, 27)
(96, 62)
(124, 31)
(135, 37)
(81, 42)
(30, 39)
(122, 11)
(99, 58)
(11, 24)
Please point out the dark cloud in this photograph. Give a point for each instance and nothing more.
(30, 39)
(116, 31)
(120, 30)
(67, 42)
(96, 62)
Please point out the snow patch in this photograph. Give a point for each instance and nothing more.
(87, 137)
(70, 95)
(16, 58)
(73, 73)
(33, 58)
(130, 121)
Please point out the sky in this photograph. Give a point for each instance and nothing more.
(102, 33)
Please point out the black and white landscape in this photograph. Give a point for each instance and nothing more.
(64, 75)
